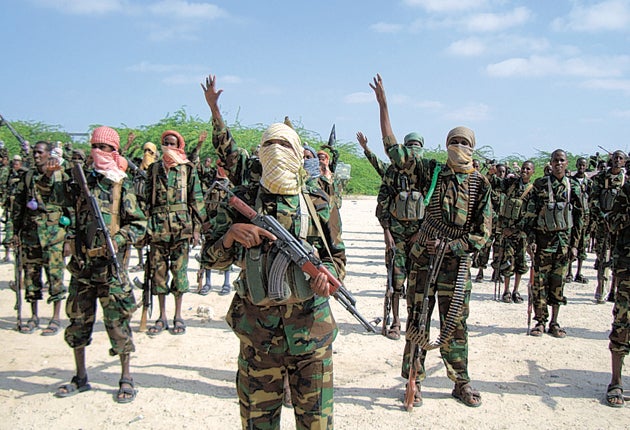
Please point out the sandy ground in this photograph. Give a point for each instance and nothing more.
(188, 381)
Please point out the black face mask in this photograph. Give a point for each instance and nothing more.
(311, 165)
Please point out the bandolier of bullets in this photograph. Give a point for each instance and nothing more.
(434, 227)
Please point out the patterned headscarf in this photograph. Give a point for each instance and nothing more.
(109, 164)
(148, 158)
(282, 171)
(173, 156)
(460, 156)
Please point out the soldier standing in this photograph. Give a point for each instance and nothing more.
(554, 216)
(40, 221)
(399, 210)
(93, 276)
(606, 186)
(378, 165)
(4, 174)
(586, 184)
(15, 175)
(458, 211)
(176, 211)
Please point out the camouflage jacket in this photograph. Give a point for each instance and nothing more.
(376, 162)
(174, 202)
(242, 169)
(4, 174)
(604, 182)
(41, 225)
(532, 221)
(13, 179)
(619, 222)
(453, 189)
(510, 188)
(586, 187)
(126, 225)
(307, 325)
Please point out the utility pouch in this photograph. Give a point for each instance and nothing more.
(511, 208)
(556, 216)
(607, 199)
(408, 206)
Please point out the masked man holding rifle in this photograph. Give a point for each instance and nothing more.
(292, 334)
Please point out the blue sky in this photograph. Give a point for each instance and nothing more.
(525, 75)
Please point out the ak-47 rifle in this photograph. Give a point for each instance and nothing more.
(17, 284)
(135, 169)
(389, 291)
(295, 252)
(147, 297)
(13, 131)
(419, 331)
(95, 211)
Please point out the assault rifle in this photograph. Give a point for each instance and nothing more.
(419, 331)
(13, 131)
(135, 169)
(95, 211)
(147, 297)
(295, 251)
(389, 291)
(17, 284)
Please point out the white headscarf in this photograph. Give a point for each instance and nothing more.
(282, 170)
(460, 156)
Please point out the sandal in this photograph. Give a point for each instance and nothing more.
(581, 279)
(77, 385)
(157, 328)
(30, 326)
(467, 395)
(538, 330)
(417, 396)
(205, 289)
(516, 297)
(225, 290)
(52, 329)
(179, 327)
(556, 331)
(126, 394)
(614, 396)
(507, 297)
(394, 332)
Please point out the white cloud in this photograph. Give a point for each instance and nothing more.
(231, 79)
(359, 98)
(608, 84)
(429, 105)
(488, 22)
(606, 15)
(147, 67)
(536, 66)
(84, 7)
(469, 113)
(186, 10)
(383, 27)
(470, 47)
(182, 79)
(447, 5)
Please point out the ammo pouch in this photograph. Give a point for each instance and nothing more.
(511, 208)
(408, 206)
(607, 199)
(556, 216)
(260, 272)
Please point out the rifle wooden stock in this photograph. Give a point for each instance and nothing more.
(143, 319)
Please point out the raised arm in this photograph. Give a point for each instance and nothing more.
(379, 91)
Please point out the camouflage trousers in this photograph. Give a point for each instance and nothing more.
(584, 240)
(604, 241)
(259, 384)
(8, 232)
(620, 332)
(455, 352)
(173, 257)
(550, 269)
(402, 232)
(513, 255)
(50, 260)
(118, 304)
(481, 257)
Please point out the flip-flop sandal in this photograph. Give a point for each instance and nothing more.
(126, 394)
(394, 332)
(179, 327)
(614, 396)
(52, 329)
(77, 385)
(516, 298)
(467, 395)
(556, 331)
(538, 330)
(157, 328)
(30, 326)
(225, 290)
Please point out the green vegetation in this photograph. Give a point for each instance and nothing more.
(364, 178)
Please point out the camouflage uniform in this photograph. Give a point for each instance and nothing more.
(586, 184)
(41, 232)
(451, 199)
(241, 168)
(378, 165)
(620, 223)
(606, 186)
(551, 260)
(92, 276)
(9, 196)
(511, 249)
(294, 339)
(4, 175)
(175, 211)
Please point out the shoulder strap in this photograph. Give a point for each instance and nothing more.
(528, 188)
(318, 225)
